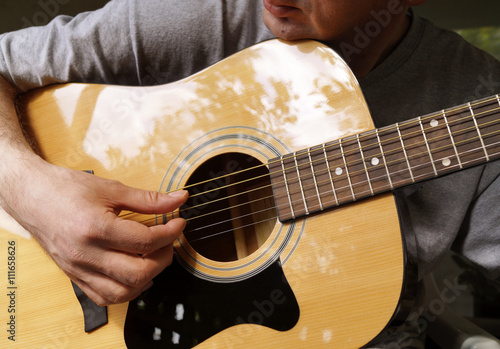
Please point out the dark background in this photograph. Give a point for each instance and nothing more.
(456, 14)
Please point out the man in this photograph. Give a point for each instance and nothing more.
(405, 68)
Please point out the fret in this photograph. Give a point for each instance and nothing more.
(337, 165)
(359, 172)
(443, 156)
(479, 132)
(419, 145)
(315, 179)
(334, 192)
(452, 139)
(280, 188)
(307, 181)
(494, 145)
(314, 169)
(427, 146)
(394, 156)
(364, 165)
(300, 183)
(346, 168)
(285, 180)
(405, 153)
(382, 154)
(374, 162)
(487, 121)
(462, 129)
(299, 177)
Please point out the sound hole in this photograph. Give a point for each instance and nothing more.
(231, 210)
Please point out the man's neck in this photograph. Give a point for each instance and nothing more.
(364, 53)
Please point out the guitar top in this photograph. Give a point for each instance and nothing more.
(243, 276)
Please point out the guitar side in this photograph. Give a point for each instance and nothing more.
(345, 266)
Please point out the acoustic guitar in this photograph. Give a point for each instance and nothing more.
(293, 238)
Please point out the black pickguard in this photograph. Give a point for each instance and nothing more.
(182, 310)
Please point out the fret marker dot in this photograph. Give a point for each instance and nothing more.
(434, 123)
(446, 162)
(375, 161)
(338, 171)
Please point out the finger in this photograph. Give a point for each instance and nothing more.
(133, 270)
(114, 277)
(133, 237)
(93, 295)
(145, 201)
(125, 277)
(105, 291)
(95, 285)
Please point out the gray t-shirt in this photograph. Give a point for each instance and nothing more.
(144, 42)
(430, 70)
(131, 42)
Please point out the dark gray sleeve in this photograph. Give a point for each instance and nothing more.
(479, 238)
(132, 42)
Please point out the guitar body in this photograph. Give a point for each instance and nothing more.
(345, 266)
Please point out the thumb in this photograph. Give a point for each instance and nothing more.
(148, 201)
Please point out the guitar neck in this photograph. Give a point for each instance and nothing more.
(387, 158)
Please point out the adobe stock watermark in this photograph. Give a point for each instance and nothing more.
(274, 308)
(421, 319)
(372, 29)
(485, 87)
(48, 10)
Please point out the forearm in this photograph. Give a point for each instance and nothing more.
(12, 141)
(9, 126)
(15, 151)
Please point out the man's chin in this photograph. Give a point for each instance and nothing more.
(284, 28)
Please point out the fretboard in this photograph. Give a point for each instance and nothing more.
(380, 160)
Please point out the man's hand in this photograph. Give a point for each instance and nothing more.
(74, 216)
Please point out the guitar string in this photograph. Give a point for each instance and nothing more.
(271, 218)
(416, 155)
(347, 153)
(377, 145)
(429, 117)
(275, 217)
(341, 199)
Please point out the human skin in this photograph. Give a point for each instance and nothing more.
(339, 22)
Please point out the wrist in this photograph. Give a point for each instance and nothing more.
(18, 164)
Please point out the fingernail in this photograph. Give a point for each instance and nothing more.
(178, 193)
